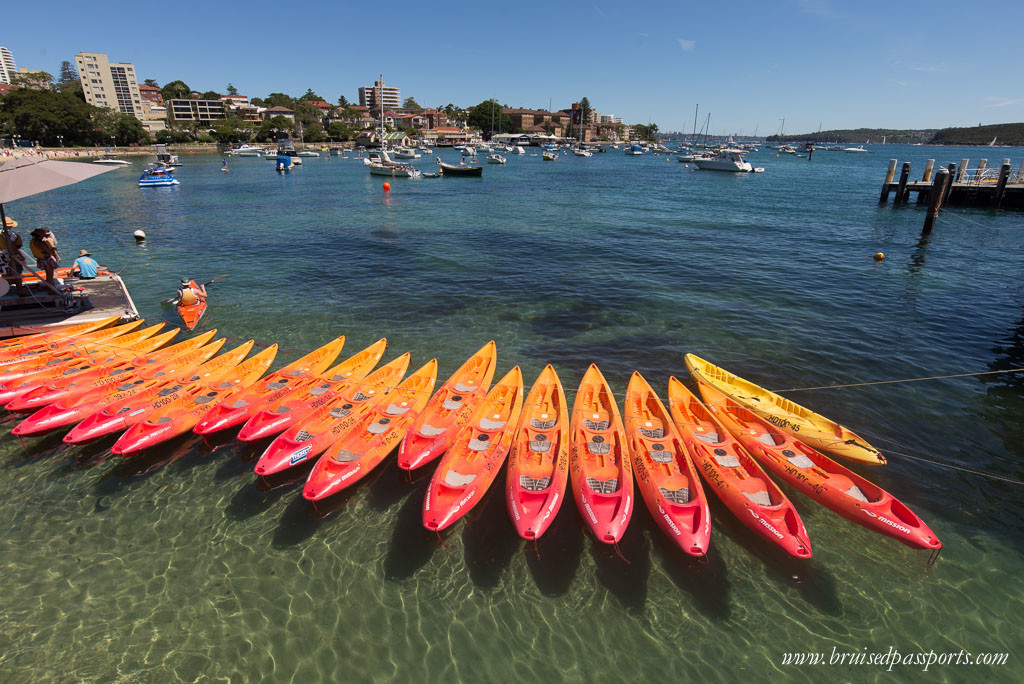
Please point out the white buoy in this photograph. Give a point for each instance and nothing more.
(140, 236)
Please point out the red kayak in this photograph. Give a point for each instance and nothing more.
(734, 476)
(664, 473)
(191, 314)
(375, 436)
(448, 410)
(474, 460)
(538, 461)
(599, 465)
(306, 440)
(819, 477)
(39, 342)
(126, 411)
(71, 410)
(279, 384)
(280, 415)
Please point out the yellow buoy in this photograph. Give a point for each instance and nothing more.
(879, 256)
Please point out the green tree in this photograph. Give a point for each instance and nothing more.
(38, 80)
(307, 114)
(211, 95)
(68, 73)
(488, 116)
(232, 129)
(152, 83)
(279, 100)
(232, 90)
(339, 130)
(257, 101)
(343, 101)
(314, 133)
(43, 115)
(410, 103)
(176, 90)
(309, 96)
(123, 128)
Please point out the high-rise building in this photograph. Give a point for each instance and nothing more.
(372, 96)
(8, 70)
(109, 84)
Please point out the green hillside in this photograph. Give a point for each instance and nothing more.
(861, 135)
(1005, 134)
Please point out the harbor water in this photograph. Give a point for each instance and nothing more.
(180, 566)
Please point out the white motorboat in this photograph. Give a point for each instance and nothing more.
(308, 153)
(634, 150)
(580, 152)
(426, 150)
(381, 164)
(518, 149)
(406, 153)
(550, 155)
(858, 148)
(728, 159)
(245, 150)
(495, 159)
(111, 162)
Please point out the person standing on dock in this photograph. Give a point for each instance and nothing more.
(85, 265)
(12, 259)
(44, 249)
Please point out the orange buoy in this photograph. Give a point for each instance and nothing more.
(387, 187)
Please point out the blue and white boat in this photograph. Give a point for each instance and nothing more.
(157, 176)
(634, 149)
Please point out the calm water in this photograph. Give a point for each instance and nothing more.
(180, 567)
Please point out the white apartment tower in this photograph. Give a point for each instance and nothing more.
(8, 71)
(372, 96)
(108, 84)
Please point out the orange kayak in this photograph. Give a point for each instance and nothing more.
(378, 431)
(448, 410)
(190, 314)
(182, 414)
(734, 476)
(117, 364)
(664, 473)
(125, 410)
(599, 465)
(819, 477)
(299, 373)
(477, 453)
(30, 358)
(14, 346)
(155, 370)
(66, 364)
(538, 461)
(306, 440)
(279, 415)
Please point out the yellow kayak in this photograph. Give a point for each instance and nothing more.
(812, 428)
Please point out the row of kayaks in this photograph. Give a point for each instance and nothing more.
(102, 379)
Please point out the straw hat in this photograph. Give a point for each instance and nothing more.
(9, 222)
(83, 252)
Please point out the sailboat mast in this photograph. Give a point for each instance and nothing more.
(695, 110)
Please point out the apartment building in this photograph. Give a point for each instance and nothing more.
(203, 111)
(8, 69)
(113, 85)
(371, 96)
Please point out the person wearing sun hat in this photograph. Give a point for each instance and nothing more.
(85, 265)
(12, 259)
(188, 295)
(44, 249)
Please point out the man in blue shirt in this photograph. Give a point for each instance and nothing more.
(85, 265)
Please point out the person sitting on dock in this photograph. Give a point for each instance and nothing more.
(85, 265)
(188, 295)
(44, 249)
(13, 257)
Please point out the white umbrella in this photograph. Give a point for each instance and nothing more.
(23, 177)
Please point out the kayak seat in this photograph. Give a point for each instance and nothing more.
(653, 433)
(378, 427)
(488, 424)
(709, 437)
(169, 390)
(599, 448)
(603, 486)
(303, 436)
(283, 408)
(660, 455)
(319, 389)
(338, 412)
(676, 496)
(539, 445)
(727, 460)
(761, 498)
(163, 420)
(360, 397)
(456, 479)
(855, 492)
(393, 410)
(225, 385)
(479, 443)
(452, 404)
(766, 438)
(459, 387)
(801, 461)
(596, 425)
(205, 398)
(430, 430)
(277, 385)
(534, 484)
(297, 372)
(542, 424)
(345, 456)
(755, 489)
(239, 403)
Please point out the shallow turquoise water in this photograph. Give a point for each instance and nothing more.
(179, 566)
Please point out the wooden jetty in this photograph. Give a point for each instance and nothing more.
(984, 186)
(87, 301)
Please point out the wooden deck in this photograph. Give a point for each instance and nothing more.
(994, 188)
(102, 297)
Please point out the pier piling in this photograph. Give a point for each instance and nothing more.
(951, 170)
(962, 170)
(928, 166)
(889, 175)
(901, 189)
(935, 200)
(1004, 175)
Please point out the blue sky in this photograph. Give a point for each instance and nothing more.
(828, 63)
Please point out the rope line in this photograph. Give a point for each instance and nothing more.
(890, 382)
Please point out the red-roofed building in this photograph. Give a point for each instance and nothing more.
(151, 93)
(321, 105)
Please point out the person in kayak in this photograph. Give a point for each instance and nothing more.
(187, 295)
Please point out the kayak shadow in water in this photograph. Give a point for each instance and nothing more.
(35, 449)
(625, 571)
(256, 496)
(555, 558)
(300, 521)
(489, 537)
(393, 484)
(412, 545)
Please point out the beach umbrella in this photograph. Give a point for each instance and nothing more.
(24, 177)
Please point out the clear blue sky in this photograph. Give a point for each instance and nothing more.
(833, 63)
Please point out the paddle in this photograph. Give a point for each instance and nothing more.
(173, 300)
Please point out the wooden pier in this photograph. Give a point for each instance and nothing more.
(999, 187)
